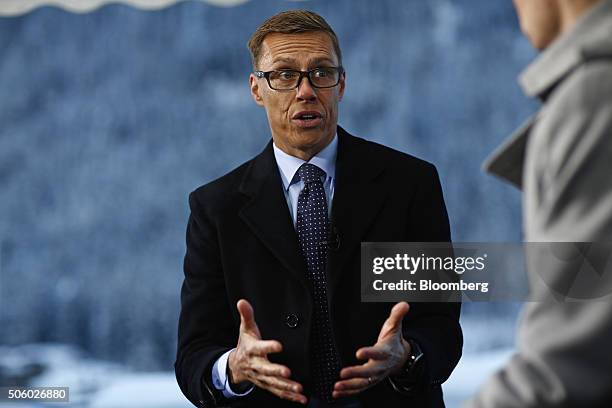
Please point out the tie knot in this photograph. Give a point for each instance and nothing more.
(310, 173)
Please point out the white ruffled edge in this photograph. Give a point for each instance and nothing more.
(18, 7)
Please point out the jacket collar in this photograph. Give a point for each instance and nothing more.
(589, 37)
(506, 162)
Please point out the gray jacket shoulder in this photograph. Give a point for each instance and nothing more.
(586, 88)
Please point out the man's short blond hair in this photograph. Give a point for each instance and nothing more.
(291, 22)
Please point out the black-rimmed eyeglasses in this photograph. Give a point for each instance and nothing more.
(288, 79)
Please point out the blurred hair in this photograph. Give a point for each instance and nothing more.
(291, 22)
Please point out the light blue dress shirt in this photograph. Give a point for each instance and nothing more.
(289, 165)
(292, 185)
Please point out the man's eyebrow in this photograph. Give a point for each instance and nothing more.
(315, 61)
(283, 59)
(319, 60)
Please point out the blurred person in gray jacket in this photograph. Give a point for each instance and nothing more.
(562, 160)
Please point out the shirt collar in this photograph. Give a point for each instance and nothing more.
(289, 165)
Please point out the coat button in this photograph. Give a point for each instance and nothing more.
(291, 320)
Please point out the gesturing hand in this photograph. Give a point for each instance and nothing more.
(386, 357)
(249, 363)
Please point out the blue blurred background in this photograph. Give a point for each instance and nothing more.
(109, 119)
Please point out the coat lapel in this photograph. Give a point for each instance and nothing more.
(267, 214)
(507, 161)
(358, 198)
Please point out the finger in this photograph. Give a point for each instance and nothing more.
(286, 389)
(265, 367)
(358, 383)
(394, 321)
(247, 317)
(281, 384)
(299, 398)
(263, 347)
(374, 353)
(397, 313)
(347, 393)
(363, 371)
(287, 395)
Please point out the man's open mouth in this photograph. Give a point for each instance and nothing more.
(307, 118)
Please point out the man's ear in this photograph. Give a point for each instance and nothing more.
(255, 91)
(341, 86)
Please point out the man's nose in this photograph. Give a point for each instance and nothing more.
(305, 90)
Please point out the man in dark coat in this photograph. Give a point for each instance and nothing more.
(271, 313)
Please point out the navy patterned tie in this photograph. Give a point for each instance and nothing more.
(313, 230)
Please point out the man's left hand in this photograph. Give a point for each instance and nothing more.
(385, 358)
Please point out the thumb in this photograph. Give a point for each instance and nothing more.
(393, 323)
(247, 317)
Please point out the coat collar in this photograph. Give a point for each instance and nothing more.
(589, 37)
(506, 162)
(267, 215)
(357, 200)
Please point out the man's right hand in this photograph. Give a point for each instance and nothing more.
(249, 363)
